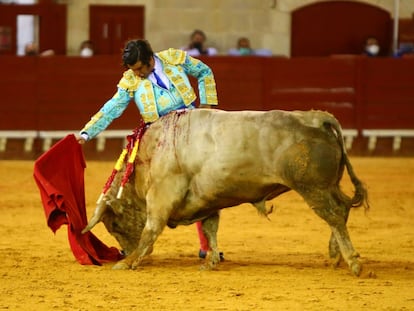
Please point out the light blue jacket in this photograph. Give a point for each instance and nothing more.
(152, 100)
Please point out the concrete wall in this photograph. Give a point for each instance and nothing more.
(169, 22)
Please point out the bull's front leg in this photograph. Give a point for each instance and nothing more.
(162, 197)
(210, 228)
(148, 237)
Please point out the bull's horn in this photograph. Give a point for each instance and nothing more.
(97, 216)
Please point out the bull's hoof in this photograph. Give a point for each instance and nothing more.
(335, 261)
(356, 268)
(205, 267)
(120, 265)
(136, 263)
(209, 265)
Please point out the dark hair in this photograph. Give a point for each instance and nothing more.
(137, 50)
(198, 32)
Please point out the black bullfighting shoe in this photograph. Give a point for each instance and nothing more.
(203, 254)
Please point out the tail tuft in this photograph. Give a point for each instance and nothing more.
(360, 197)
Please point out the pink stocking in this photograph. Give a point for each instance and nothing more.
(202, 237)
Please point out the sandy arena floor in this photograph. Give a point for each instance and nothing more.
(280, 264)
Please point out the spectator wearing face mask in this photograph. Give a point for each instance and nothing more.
(86, 49)
(372, 47)
(197, 45)
(243, 48)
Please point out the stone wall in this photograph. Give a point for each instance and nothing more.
(169, 22)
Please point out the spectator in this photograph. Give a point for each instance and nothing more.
(244, 49)
(31, 49)
(372, 47)
(197, 45)
(86, 49)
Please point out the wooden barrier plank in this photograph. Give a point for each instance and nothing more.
(387, 93)
(239, 81)
(18, 89)
(60, 93)
(327, 84)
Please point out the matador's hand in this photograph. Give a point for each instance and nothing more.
(80, 140)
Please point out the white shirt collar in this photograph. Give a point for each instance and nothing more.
(158, 68)
(157, 65)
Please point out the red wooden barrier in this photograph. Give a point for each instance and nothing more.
(62, 93)
(320, 83)
(387, 93)
(18, 89)
(72, 89)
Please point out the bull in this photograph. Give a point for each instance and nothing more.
(193, 163)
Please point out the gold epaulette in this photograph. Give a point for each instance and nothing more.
(172, 56)
(129, 81)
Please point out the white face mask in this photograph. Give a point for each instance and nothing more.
(86, 52)
(373, 49)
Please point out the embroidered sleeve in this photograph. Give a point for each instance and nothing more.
(111, 110)
(204, 75)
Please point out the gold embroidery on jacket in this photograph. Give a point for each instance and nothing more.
(187, 93)
(211, 93)
(95, 118)
(172, 56)
(129, 81)
(147, 99)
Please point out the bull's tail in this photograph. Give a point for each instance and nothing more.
(360, 197)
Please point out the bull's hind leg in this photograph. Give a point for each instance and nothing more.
(334, 251)
(327, 206)
(210, 228)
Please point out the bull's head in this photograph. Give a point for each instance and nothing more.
(123, 218)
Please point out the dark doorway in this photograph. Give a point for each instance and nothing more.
(338, 27)
(50, 29)
(111, 25)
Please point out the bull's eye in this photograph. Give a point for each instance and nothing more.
(115, 226)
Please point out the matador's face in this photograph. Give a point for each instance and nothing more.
(142, 70)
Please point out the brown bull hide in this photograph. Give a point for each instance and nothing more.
(193, 163)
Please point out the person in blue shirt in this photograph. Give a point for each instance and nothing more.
(243, 48)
